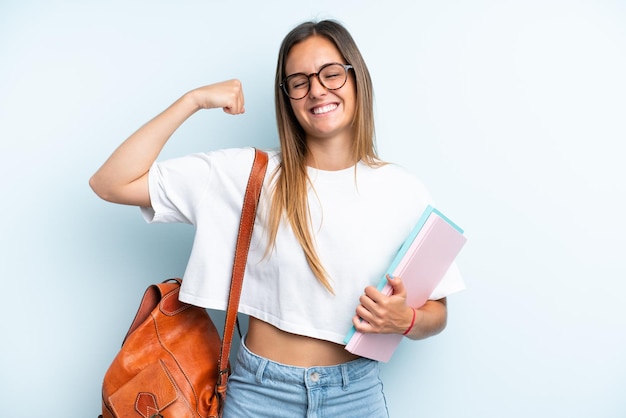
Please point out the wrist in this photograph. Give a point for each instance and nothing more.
(412, 324)
(192, 99)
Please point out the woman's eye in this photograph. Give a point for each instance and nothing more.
(299, 83)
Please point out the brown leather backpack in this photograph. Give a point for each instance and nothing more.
(172, 363)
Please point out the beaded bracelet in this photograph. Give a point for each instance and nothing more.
(412, 323)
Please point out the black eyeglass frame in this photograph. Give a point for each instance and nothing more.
(283, 85)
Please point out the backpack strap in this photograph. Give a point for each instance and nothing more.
(248, 215)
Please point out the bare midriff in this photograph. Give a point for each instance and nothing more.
(267, 341)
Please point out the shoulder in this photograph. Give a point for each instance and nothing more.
(228, 157)
(222, 161)
(223, 169)
(392, 176)
(396, 186)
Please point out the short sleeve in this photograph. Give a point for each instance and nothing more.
(452, 282)
(181, 187)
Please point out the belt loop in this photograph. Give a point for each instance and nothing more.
(344, 376)
(261, 370)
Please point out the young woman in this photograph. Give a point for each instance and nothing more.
(331, 218)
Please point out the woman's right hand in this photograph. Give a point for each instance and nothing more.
(227, 95)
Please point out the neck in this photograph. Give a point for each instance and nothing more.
(329, 155)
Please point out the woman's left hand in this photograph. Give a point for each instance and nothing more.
(381, 313)
(378, 313)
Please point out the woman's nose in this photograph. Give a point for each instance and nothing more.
(316, 89)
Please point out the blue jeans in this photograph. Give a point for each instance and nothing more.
(260, 388)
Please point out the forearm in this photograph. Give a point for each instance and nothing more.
(133, 158)
(390, 314)
(430, 320)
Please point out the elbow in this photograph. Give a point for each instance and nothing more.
(99, 188)
(442, 325)
(135, 193)
(93, 183)
(443, 316)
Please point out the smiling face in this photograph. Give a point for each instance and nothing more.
(323, 114)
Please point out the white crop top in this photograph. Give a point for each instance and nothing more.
(360, 217)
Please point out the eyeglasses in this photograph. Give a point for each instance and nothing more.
(331, 76)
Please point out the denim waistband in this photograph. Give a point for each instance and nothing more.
(337, 375)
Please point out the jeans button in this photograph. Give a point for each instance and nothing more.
(315, 376)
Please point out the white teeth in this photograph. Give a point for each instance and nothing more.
(324, 109)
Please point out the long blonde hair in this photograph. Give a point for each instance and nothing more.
(289, 198)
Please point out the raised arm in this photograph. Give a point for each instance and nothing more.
(123, 178)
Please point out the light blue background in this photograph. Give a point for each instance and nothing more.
(512, 112)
